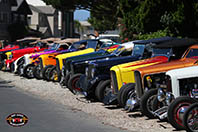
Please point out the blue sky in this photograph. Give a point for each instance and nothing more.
(81, 15)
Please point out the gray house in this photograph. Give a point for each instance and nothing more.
(45, 19)
(5, 17)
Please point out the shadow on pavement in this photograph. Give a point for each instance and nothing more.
(5, 84)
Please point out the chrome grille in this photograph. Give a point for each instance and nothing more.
(114, 82)
(41, 63)
(138, 85)
(89, 72)
(57, 65)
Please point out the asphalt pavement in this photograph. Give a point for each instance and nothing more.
(43, 115)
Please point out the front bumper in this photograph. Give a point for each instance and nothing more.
(86, 85)
(161, 113)
(110, 99)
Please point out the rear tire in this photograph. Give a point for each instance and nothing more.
(66, 79)
(175, 107)
(37, 72)
(20, 70)
(46, 70)
(53, 75)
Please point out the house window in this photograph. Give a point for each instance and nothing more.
(4, 17)
(22, 17)
(29, 20)
(15, 17)
(4, 1)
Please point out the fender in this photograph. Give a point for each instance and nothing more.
(94, 82)
(17, 62)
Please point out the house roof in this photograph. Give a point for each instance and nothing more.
(85, 23)
(46, 9)
(35, 9)
(22, 7)
(43, 29)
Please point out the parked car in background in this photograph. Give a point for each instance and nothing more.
(75, 66)
(98, 72)
(190, 118)
(27, 59)
(3, 55)
(35, 69)
(122, 75)
(14, 55)
(81, 59)
(92, 45)
(150, 77)
(180, 83)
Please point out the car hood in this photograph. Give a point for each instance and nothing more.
(187, 72)
(64, 56)
(160, 68)
(41, 53)
(92, 58)
(128, 67)
(109, 62)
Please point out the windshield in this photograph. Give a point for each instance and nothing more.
(92, 44)
(106, 45)
(74, 46)
(118, 50)
(193, 53)
(162, 52)
(138, 50)
(53, 46)
(113, 38)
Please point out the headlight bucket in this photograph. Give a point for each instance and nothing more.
(86, 71)
(169, 98)
(93, 72)
(161, 96)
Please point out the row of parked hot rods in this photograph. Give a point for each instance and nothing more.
(159, 76)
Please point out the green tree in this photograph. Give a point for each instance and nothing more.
(103, 12)
(104, 16)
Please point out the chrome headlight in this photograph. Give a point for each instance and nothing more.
(86, 71)
(93, 72)
(169, 98)
(161, 96)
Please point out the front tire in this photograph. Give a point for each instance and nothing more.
(72, 83)
(176, 110)
(146, 103)
(102, 89)
(28, 71)
(120, 92)
(190, 118)
(126, 93)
